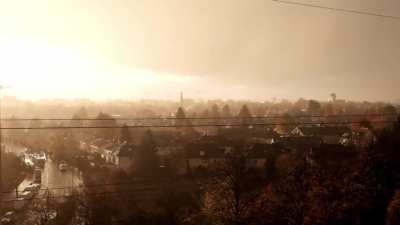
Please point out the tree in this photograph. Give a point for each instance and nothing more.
(215, 114)
(125, 135)
(147, 160)
(389, 113)
(78, 117)
(286, 123)
(226, 111)
(393, 211)
(388, 109)
(94, 209)
(366, 124)
(104, 120)
(181, 120)
(284, 201)
(245, 115)
(244, 112)
(180, 114)
(64, 146)
(12, 169)
(176, 205)
(380, 170)
(215, 111)
(180, 117)
(205, 113)
(314, 107)
(230, 195)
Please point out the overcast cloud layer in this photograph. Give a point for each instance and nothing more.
(257, 49)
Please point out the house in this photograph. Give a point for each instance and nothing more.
(328, 134)
(166, 153)
(204, 156)
(210, 156)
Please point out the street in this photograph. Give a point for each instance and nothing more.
(59, 183)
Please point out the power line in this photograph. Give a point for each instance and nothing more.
(275, 116)
(82, 194)
(192, 125)
(338, 9)
(88, 186)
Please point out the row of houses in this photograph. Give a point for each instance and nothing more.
(260, 147)
(328, 145)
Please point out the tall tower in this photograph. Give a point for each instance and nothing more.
(181, 99)
(333, 96)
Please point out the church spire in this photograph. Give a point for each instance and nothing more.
(181, 99)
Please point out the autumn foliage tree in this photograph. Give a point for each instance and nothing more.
(230, 195)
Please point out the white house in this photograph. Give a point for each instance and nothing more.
(328, 134)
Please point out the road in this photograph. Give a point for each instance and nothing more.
(58, 182)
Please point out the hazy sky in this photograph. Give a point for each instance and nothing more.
(245, 49)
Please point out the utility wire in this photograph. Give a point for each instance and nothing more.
(275, 116)
(82, 194)
(337, 9)
(192, 125)
(89, 186)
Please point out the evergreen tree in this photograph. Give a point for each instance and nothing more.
(244, 112)
(215, 111)
(226, 111)
(147, 160)
(79, 117)
(180, 114)
(245, 115)
(314, 107)
(125, 135)
(180, 117)
(215, 114)
(105, 120)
